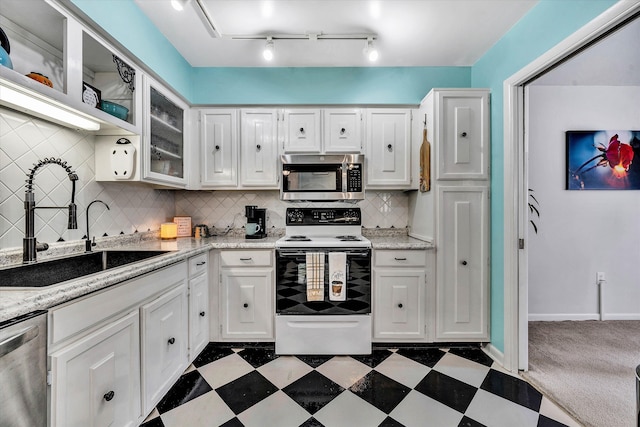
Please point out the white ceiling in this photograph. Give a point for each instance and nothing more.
(408, 32)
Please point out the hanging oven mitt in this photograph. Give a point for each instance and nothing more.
(315, 276)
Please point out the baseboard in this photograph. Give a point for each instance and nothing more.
(494, 353)
(621, 316)
(558, 317)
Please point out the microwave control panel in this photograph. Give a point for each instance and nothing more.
(354, 178)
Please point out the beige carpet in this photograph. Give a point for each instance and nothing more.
(588, 368)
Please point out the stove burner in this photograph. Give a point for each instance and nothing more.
(298, 238)
(348, 238)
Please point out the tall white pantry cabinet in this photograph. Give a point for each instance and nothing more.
(456, 210)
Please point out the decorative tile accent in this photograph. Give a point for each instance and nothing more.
(23, 141)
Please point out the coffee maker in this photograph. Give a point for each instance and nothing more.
(256, 227)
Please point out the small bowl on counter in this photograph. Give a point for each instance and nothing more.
(114, 109)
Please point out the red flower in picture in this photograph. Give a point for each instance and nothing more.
(618, 156)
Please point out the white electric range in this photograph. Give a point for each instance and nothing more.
(326, 326)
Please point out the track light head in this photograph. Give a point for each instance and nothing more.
(267, 53)
(179, 4)
(370, 50)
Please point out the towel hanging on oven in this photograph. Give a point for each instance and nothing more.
(337, 276)
(315, 276)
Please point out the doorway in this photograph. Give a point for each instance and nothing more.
(516, 175)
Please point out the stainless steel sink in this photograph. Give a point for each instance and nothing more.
(59, 270)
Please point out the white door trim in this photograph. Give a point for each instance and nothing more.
(515, 208)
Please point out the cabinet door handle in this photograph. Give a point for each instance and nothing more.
(245, 305)
(201, 263)
(258, 147)
(246, 259)
(390, 148)
(171, 340)
(400, 305)
(202, 313)
(302, 131)
(463, 134)
(400, 259)
(342, 131)
(109, 395)
(217, 148)
(463, 262)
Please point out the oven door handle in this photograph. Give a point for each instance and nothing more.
(303, 253)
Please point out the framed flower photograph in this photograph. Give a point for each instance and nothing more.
(603, 160)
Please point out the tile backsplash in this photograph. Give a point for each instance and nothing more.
(23, 141)
(133, 206)
(222, 209)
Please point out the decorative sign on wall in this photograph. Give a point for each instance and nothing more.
(603, 160)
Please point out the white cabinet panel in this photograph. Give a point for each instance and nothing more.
(399, 309)
(301, 131)
(342, 130)
(259, 148)
(463, 139)
(219, 145)
(388, 148)
(164, 343)
(198, 314)
(96, 380)
(462, 284)
(247, 303)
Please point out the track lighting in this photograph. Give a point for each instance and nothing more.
(267, 53)
(370, 51)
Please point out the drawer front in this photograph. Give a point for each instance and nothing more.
(245, 258)
(391, 258)
(198, 264)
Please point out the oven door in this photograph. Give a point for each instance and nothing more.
(291, 283)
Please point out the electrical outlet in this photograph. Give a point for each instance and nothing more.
(600, 277)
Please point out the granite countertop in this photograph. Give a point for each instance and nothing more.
(15, 302)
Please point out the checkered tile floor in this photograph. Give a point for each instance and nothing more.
(397, 387)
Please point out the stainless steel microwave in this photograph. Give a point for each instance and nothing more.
(317, 177)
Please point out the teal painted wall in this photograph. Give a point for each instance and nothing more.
(546, 25)
(363, 85)
(125, 22)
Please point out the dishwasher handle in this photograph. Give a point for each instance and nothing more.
(18, 340)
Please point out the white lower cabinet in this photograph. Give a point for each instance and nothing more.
(246, 295)
(198, 305)
(463, 263)
(97, 378)
(164, 343)
(400, 288)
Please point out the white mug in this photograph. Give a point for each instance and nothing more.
(252, 228)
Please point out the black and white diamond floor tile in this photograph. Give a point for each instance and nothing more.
(405, 387)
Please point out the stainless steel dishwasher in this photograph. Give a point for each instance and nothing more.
(23, 371)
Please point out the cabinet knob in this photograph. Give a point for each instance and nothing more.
(171, 340)
(400, 305)
(202, 313)
(245, 305)
(342, 131)
(390, 147)
(463, 134)
(258, 147)
(109, 395)
(302, 131)
(463, 262)
(217, 148)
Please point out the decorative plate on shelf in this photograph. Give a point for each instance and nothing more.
(91, 95)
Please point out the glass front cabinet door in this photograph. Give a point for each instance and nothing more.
(164, 142)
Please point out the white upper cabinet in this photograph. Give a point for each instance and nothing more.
(462, 118)
(342, 130)
(219, 147)
(57, 59)
(259, 149)
(388, 148)
(301, 130)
